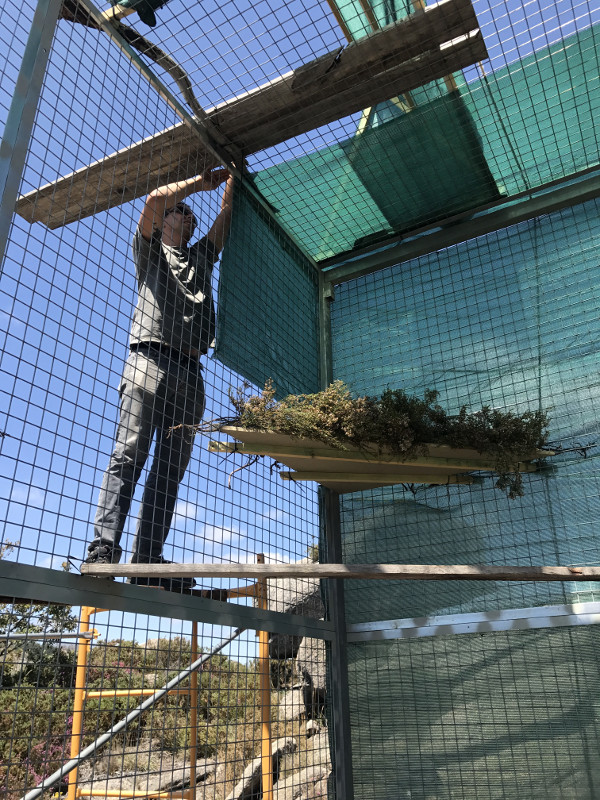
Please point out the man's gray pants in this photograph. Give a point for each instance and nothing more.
(159, 395)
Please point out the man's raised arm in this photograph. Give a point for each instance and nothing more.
(220, 227)
(165, 197)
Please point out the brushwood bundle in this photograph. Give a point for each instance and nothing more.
(397, 424)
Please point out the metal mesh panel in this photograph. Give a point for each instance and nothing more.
(67, 296)
(504, 320)
(533, 123)
(487, 716)
(166, 749)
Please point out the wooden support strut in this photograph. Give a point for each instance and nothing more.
(406, 572)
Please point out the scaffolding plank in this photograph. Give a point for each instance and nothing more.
(424, 46)
(370, 480)
(410, 572)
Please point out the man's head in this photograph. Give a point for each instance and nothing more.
(178, 224)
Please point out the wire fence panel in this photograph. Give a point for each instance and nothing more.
(345, 126)
(206, 733)
(504, 321)
(79, 313)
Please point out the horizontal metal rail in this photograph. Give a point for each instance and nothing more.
(478, 622)
(43, 585)
(19, 637)
(546, 199)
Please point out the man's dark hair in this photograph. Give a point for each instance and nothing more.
(183, 208)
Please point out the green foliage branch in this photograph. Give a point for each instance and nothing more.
(397, 424)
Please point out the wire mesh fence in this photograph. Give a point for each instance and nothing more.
(340, 158)
(66, 684)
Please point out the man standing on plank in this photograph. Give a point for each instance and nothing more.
(161, 390)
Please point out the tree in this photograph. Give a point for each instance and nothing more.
(20, 658)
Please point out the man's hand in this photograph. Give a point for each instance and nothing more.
(212, 178)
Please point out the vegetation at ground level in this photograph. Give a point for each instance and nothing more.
(36, 711)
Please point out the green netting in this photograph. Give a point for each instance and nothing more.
(423, 166)
(537, 116)
(384, 11)
(258, 339)
(535, 120)
(311, 195)
(507, 320)
(483, 717)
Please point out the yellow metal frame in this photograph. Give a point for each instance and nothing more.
(265, 692)
(81, 694)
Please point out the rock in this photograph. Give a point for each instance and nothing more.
(170, 775)
(312, 728)
(249, 787)
(292, 704)
(180, 779)
(293, 596)
(308, 784)
(311, 665)
(320, 756)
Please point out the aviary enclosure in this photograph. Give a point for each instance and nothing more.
(415, 208)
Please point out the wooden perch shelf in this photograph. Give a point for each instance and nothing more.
(429, 44)
(353, 470)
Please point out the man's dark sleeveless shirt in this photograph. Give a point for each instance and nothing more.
(174, 304)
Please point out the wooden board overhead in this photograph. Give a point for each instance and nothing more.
(426, 45)
(354, 470)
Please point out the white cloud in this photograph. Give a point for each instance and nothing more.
(275, 514)
(9, 321)
(185, 510)
(220, 534)
(29, 495)
(52, 562)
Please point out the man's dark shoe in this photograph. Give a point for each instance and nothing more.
(103, 554)
(170, 584)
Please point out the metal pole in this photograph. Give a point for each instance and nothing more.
(329, 512)
(20, 637)
(21, 115)
(265, 693)
(338, 694)
(193, 714)
(106, 737)
(83, 649)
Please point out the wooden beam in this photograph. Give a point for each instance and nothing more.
(117, 12)
(480, 461)
(376, 478)
(407, 572)
(420, 48)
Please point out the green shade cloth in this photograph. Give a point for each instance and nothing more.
(535, 121)
(493, 716)
(384, 11)
(538, 117)
(423, 166)
(508, 320)
(258, 338)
